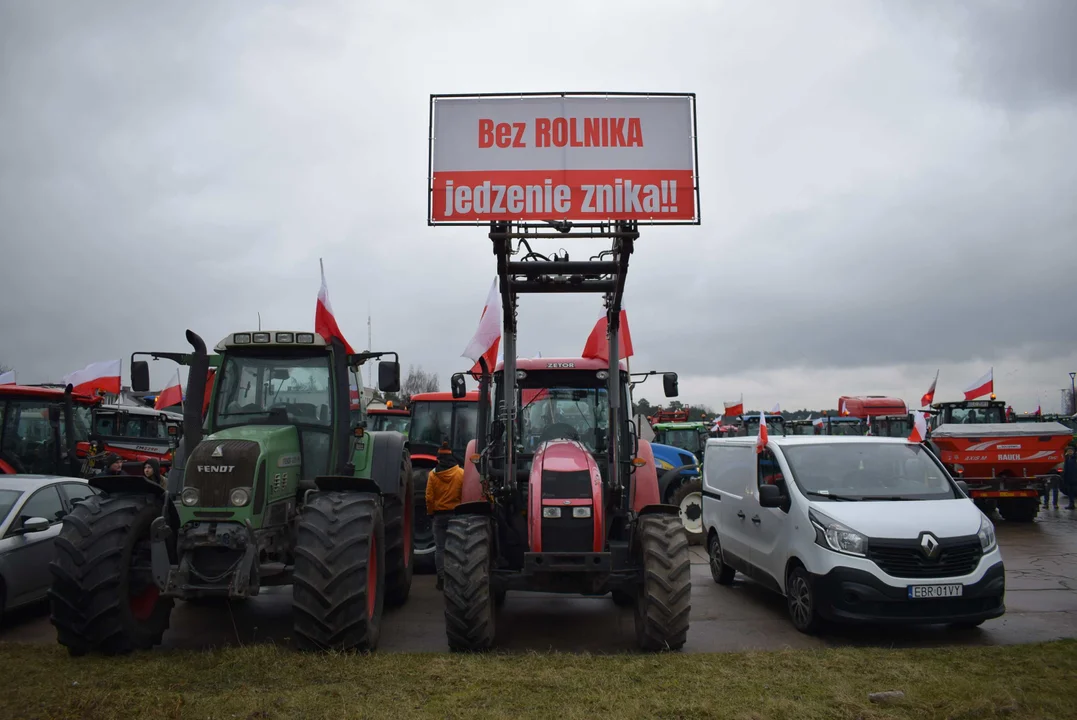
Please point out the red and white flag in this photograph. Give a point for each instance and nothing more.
(325, 323)
(7, 378)
(983, 386)
(598, 342)
(734, 408)
(843, 410)
(761, 443)
(170, 395)
(929, 396)
(777, 409)
(103, 376)
(487, 338)
(919, 427)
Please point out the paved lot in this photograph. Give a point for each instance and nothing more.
(1041, 600)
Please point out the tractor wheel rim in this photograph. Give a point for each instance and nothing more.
(800, 601)
(691, 512)
(372, 579)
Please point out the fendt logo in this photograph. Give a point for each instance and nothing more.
(216, 468)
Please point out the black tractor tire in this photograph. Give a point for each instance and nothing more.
(97, 603)
(664, 601)
(399, 558)
(469, 602)
(423, 529)
(339, 576)
(1022, 510)
(693, 514)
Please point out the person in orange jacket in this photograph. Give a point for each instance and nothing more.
(444, 486)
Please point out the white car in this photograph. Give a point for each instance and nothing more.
(857, 529)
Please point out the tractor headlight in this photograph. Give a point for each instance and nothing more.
(189, 496)
(581, 511)
(551, 512)
(663, 464)
(240, 497)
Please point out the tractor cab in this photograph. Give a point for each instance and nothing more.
(388, 417)
(40, 428)
(970, 412)
(800, 427)
(843, 426)
(749, 424)
(438, 417)
(890, 425)
(690, 436)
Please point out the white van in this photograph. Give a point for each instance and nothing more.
(868, 529)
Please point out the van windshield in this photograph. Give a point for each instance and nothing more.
(867, 471)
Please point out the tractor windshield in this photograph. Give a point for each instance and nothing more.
(973, 415)
(891, 427)
(690, 440)
(436, 421)
(112, 423)
(249, 386)
(563, 412)
(388, 421)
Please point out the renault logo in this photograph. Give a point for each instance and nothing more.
(930, 545)
(217, 452)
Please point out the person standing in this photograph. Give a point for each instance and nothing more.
(151, 470)
(444, 487)
(1069, 476)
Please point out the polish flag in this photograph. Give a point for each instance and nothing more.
(325, 323)
(761, 443)
(103, 376)
(7, 378)
(929, 396)
(777, 409)
(598, 342)
(487, 338)
(170, 395)
(843, 410)
(919, 427)
(981, 387)
(734, 408)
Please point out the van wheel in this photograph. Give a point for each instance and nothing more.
(800, 599)
(722, 573)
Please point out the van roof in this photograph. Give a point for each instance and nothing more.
(790, 440)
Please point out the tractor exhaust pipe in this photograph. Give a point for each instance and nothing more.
(196, 390)
(69, 426)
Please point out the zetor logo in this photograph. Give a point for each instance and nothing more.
(560, 365)
(216, 468)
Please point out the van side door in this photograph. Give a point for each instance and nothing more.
(728, 472)
(770, 527)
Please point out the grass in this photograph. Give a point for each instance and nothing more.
(267, 683)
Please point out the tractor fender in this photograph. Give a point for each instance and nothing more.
(346, 483)
(671, 476)
(389, 445)
(658, 509)
(474, 508)
(644, 490)
(471, 492)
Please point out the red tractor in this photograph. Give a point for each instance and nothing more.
(1004, 463)
(40, 428)
(560, 493)
(388, 417)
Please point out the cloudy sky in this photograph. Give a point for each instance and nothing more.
(887, 188)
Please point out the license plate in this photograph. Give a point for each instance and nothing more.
(935, 591)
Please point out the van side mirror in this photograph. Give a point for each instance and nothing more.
(964, 487)
(389, 376)
(140, 376)
(770, 496)
(458, 385)
(669, 384)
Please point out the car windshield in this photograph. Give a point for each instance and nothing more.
(396, 423)
(684, 439)
(867, 470)
(549, 413)
(250, 386)
(8, 498)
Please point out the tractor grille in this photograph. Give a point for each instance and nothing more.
(215, 477)
(566, 485)
(904, 559)
(568, 534)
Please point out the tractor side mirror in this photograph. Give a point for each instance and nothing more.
(389, 376)
(140, 376)
(669, 384)
(458, 385)
(54, 416)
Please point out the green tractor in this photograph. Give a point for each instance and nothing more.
(274, 487)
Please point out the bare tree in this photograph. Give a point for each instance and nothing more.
(417, 381)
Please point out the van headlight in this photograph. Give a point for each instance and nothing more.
(835, 536)
(986, 534)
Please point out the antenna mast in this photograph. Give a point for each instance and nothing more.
(369, 347)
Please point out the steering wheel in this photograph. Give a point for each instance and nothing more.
(557, 431)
